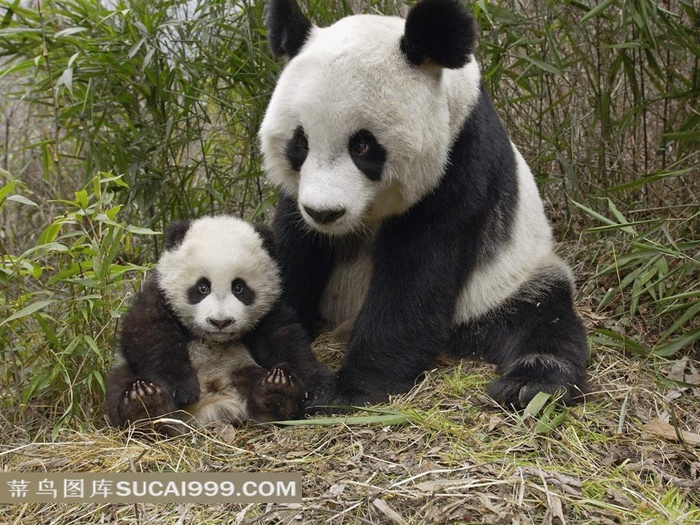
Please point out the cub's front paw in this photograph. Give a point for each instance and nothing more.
(278, 395)
(530, 375)
(145, 400)
(186, 390)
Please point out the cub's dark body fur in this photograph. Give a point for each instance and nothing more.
(154, 345)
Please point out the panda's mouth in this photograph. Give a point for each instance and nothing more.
(217, 336)
(337, 230)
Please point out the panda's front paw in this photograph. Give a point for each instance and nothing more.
(533, 374)
(144, 400)
(186, 390)
(338, 401)
(279, 395)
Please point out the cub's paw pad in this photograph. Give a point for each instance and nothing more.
(144, 399)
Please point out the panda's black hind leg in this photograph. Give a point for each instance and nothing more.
(538, 342)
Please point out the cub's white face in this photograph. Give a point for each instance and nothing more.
(219, 281)
(354, 131)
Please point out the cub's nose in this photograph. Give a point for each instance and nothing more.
(325, 216)
(219, 323)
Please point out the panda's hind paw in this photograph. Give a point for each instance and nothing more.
(143, 400)
(279, 378)
(524, 380)
(279, 395)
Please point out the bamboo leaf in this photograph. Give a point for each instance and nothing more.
(596, 10)
(384, 418)
(70, 31)
(28, 310)
(22, 200)
(670, 349)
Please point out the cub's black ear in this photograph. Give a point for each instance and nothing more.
(175, 234)
(440, 33)
(268, 239)
(287, 27)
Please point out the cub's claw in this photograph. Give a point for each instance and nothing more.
(144, 399)
(277, 376)
(278, 395)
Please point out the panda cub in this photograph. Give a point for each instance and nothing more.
(208, 339)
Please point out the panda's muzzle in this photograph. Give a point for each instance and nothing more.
(220, 324)
(325, 216)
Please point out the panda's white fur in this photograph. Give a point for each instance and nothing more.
(529, 250)
(221, 249)
(415, 128)
(483, 278)
(215, 364)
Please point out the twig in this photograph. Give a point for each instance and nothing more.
(566, 483)
(54, 89)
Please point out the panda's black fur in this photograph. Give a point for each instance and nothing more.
(246, 357)
(443, 246)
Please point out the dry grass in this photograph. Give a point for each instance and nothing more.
(457, 459)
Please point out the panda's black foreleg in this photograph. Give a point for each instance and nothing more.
(280, 338)
(539, 345)
(306, 261)
(404, 323)
(387, 355)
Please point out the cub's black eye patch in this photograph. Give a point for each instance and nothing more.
(367, 153)
(199, 290)
(297, 148)
(242, 291)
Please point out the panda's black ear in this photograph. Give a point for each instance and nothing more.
(268, 239)
(440, 33)
(175, 234)
(287, 27)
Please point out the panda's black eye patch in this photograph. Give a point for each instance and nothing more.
(297, 148)
(242, 291)
(367, 153)
(199, 290)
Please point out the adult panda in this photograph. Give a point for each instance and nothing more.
(407, 212)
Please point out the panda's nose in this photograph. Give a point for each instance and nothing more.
(219, 323)
(325, 216)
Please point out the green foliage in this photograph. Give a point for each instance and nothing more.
(656, 281)
(603, 98)
(167, 94)
(60, 299)
(544, 414)
(598, 93)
